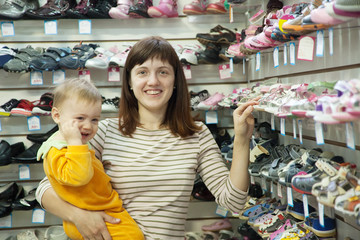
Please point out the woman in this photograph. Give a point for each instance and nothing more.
(154, 150)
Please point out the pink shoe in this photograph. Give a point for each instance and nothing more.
(121, 11)
(210, 103)
(196, 7)
(223, 224)
(165, 9)
(216, 8)
(119, 59)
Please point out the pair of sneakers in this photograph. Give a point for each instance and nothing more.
(144, 9)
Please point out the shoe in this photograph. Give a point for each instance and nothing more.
(119, 59)
(165, 9)
(197, 97)
(6, 54)
(102, 58)
(44, 106)
(189, 54)
(211, 103)
(20, 62)
(26, 203)
(347, 8)
(110, 105)
(9, 192)
(24, 108)
(30, 235)
(5, 209)
(53, 9)
(101, 9)
(225, 234)
(121, 11)
(196, 7)
(223, 224)
(5, 109)
(312, 223)
(17, 148)
(210, 55)
(56, 233)
(139, 10)
(216, 8)
(218, 35)
(28, 156)
(78, 57)
(16, 9)
(49, 60)
(81, 9)
(42, 137)
(5, 153)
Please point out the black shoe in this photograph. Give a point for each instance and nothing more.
(42, 137)
(10, 192)
(53, 9)
(5, 153)
(17, 148)
(218, 34)
(26, 203)
(5, 209)
(101, 9)
(139, 10)
(80, 11)
(6, 107)
(28, 156)
(210, 55)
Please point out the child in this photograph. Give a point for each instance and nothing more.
(75, 173)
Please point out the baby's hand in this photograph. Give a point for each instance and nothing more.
(70, 131)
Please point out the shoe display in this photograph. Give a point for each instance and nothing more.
(140, 9)
(121, 11)
(5, 153)
(44, 106)
(196, 7)
(165, 9)
(81, 9)
(210, 55)
(28, 202)
(102, 58)
(216, 8)
(42, 137)
(6, 54)
(119, 59)
(53, 9)
(21, 61)
(11, 9)
(217, 35)
(223, 224)
(24, 108)
(49, 60)
(28, 156)
(101, 9)
(78, 56)
(5, 109)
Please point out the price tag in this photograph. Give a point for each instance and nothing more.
(50, 27)
(84, 74)
(271, 187)
(319, 133)
(34, 123)
(320, 43)
(221, 211)
(285, 54)
(38, 216)
(231, 14)
(224, 71)
(279, 192)
(84, 26)
(36, 78)
(187, 72)
(7, 29)
(211, 117)
(306, 48)
(282, 126)
(306, 205)
(243, 66)
(258, 61)
(292, 53)
(350, 140)
(276, 57)
(331, 41)
(272, 122)
(6, 222)
(294, 128)
(300, 131)
(24, 172)
(114, 74)
(58, 76)
(231, 63)
(290, 197)
(0, 126)
(264, 185)
(252, 180)
(321, 214)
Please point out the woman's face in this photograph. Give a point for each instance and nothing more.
(153, 84)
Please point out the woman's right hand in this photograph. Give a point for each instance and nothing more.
(91, 224)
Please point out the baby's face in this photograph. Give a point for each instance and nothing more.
(85, 114)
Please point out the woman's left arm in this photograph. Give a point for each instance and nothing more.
(243, 127)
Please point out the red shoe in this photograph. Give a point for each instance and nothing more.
(216, 8)
(196, 7)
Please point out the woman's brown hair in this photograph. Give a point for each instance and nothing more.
(178, 113)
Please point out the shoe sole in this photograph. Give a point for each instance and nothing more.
(206, 41)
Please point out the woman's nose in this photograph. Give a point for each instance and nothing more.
(153, 79)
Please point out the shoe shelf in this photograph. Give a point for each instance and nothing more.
(11, 173)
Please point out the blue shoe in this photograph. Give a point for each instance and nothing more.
(313, 224)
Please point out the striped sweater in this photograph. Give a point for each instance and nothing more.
(153, 171)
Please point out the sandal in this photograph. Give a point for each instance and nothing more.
(218, 34)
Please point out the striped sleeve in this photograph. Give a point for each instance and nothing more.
(216, 175)
(40, 190)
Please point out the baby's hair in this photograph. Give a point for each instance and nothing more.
(81, 89)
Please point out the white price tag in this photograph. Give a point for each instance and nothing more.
(292, 53)
(331, 41)
(36, 78)
(244, 66)
(84, 74)
(231, 63)
(319, 133)
(24, 172)
(276, 57)
(285, 54)
(231, 14)
(38, 216)
(221, 211)
(34, 123)
(187, 72)
(306, 205)
(114, 74)
(321, 214)
(211, 117)
(50, 27)
(279, 190)
(290, 197)
(258, 61)
(271, 187)
(84, 26)
(272, 122)
(5, 222)
(58, 76)
(306, 48)
(224, 71)
(350, 140)
(252, 180)
(0, 126)
(282, 126)
(320, 43)
(7, 29)
(264, 185)
(300, 131)
(294, 128)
